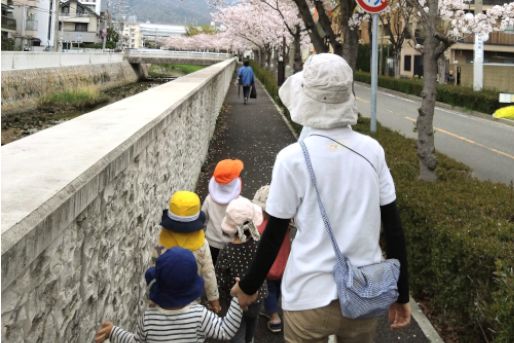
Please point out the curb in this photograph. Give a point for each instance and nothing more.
(424, 324)
(443, 105)
(418, 315)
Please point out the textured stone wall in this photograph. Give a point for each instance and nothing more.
(22, 89)
(83, 260)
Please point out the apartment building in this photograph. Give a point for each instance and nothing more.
(78, 24)
(31, 23)
(457, 65)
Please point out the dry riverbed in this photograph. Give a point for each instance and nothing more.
(16, 126)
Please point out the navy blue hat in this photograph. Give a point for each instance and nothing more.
(183, 213)
(174, 281)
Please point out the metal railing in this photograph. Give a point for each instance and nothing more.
(31, 25)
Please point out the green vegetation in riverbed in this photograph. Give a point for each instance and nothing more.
(82, 98)
(172, 70)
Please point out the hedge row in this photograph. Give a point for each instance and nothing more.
(485, 101)
(460, 240)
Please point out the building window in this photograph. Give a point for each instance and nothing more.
(80, 27)
(407, 63)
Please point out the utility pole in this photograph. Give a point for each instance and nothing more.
(478, 59)
(57, 11)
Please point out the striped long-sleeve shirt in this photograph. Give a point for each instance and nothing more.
(193, 323)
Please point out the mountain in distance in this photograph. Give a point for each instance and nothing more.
(178, 12)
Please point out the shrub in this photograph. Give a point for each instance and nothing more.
(460, 239)
(460, 234)
(485, 101)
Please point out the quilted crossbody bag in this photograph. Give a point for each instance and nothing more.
(365, 291)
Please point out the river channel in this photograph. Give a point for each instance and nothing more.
(19, 125)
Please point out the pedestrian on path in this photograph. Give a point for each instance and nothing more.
(174, 285)
(247, 79)
(240, 228)
(358, 194)
(224, 186)
(274, 277)
(182, 225)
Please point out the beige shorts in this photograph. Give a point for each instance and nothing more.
(313, 326)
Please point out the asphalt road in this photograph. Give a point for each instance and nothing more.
(485, 145)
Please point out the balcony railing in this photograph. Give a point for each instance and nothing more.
(495, 38)
(8, 23)
(31, 25)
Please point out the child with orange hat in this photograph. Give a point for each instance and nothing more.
(224, 186)
(182, 226)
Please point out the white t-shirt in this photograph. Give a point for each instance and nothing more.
(352, 193)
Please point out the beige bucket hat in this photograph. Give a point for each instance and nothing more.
(321, 95)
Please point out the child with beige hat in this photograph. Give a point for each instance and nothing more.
(240, 229)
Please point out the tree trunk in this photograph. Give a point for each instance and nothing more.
(305, 13)
(297, 64)
(396, 64)
(350, 37)
(424, 123)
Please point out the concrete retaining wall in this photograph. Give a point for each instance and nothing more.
(22, 89)
(20, 60)
(81, 204)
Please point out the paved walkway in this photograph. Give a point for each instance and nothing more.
(255, 133)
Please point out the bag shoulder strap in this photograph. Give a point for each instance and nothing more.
(324, 215)
(347, 147)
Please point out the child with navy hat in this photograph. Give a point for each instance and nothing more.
(182, 225)
(174, 285)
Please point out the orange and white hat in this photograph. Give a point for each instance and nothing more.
(225, 183)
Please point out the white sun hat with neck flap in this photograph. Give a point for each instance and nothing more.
(321, 95)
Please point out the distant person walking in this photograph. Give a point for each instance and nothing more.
(246, 79)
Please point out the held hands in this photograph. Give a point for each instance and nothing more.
(103, 332)
(214, 306)
(244, 299)
(399, 315)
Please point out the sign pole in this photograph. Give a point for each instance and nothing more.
(374, 72)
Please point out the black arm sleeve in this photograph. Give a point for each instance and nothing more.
(395, 246)
(267, 251)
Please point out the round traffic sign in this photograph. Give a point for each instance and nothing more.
(373, 6)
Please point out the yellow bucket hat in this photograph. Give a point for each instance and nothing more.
(183, 213)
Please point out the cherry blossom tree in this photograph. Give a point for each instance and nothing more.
(444, 22)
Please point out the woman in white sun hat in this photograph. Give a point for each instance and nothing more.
(358, 194)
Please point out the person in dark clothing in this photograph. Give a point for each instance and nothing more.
(246, 79)
(358, 195)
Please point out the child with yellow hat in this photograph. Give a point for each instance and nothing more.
(224, 186)
(182, 226)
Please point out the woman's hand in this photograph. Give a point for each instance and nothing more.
(399, 315)
(103, 332)
(244, 299)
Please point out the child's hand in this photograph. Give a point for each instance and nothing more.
(103, 332)
(215, 306)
